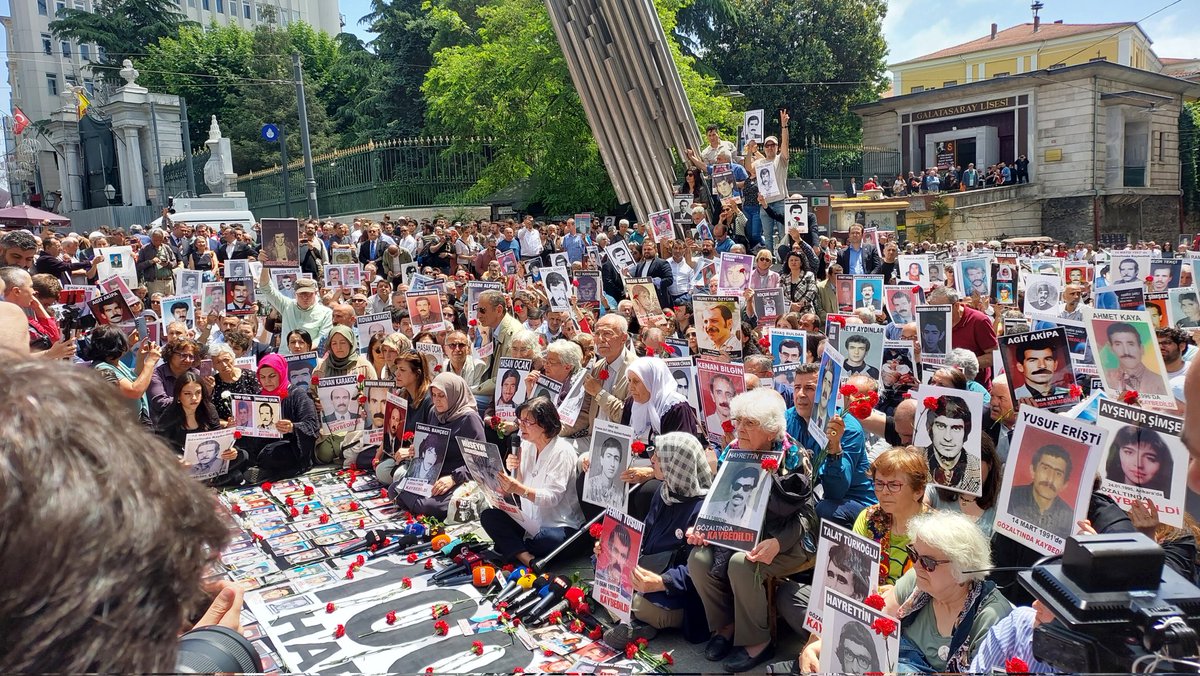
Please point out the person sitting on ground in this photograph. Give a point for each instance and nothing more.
(299, 424)
(193, 411)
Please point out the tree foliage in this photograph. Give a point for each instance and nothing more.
(1189, 158)
(245, 78)
(501, 74)
(122, 28)
(814, 57)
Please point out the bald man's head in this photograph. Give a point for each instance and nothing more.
(14, 332)
(904, 417)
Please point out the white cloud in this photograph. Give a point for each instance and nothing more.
(1174, 35)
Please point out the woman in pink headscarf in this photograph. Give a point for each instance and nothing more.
(293, 453)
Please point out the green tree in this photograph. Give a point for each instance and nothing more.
(403, 35)
(814, 57)
(1189, 158)
(245, 79)
(122, 28)
(503, 76)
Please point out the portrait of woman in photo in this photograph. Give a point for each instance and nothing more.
(1139, 457)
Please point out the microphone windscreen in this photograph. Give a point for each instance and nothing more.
(574, 595)
(483, 575)
(440, 541)
(526, 581)
(517, 574)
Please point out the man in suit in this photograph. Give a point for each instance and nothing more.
(501, 327)
(607, 395)
(859, 258)
(614, 285)
(341, 405)
(658, 270)
(371, 249)
(232, 248)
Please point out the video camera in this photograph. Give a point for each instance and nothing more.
(1118, 608)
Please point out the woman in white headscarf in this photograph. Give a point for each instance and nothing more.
(453, 409)
(655, 405)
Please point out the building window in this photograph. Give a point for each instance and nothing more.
(66, 49)
(1097, 58)
(89, 86)
(85, 52)
(52, 84)
(191, 3)
(916, 90)
(220, 6)
(43, 9)
(246, 9)
(1000, 75)
(59, 7)
(101, 54)
(204, 5)
(47, 45)
(1137, 148)
(949, 83)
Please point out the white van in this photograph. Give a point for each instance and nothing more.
(213, 211)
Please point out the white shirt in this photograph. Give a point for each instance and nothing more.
(551, 477)
(531, 242)
(409, 244)
(681, 276)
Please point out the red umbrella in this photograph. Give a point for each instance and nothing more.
(26, 215)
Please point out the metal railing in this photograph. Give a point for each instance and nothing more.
(396, 173)
(838, 163)
(175, 174)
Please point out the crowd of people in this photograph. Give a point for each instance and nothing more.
(866, 475)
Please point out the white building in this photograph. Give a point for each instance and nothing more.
(41, 68)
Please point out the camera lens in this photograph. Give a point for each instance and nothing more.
(216, 649)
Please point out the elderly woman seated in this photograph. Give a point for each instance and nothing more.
(734, 593)
(944, 604)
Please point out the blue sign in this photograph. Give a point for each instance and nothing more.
(270, 133)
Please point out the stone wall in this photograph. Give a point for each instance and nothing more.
(881, 131)
(1152, 217)
(999, 220)
(1068, 219)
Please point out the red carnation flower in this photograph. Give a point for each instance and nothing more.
(931, 403)
(727, 427)
(362, 398)
(603, 374)
(309, 490)
(294, 512)
(429, 670)
(237, 434)
(1015, 665)
(1149, 278)
(840, 321)
(267, 486)
(353, 505)
(764, 343)
(408, 436)
(315, 380)
(548, 652)
(638, 447)
(390, 618)
(472, 323)
(668, 659)
(412, 558)
(577, 626)
(555, 617)
(884, 625)
(383, 494)
(848, 390)
(256, 536)
(630, 650)
(595, 633)
(441, 628)
(360, 560)
(860, 409)
(1130, 397)
(575, 282)
(289, 501)
(643, 642)
(362, 523)
(329, 607)
(477, 647)
(906, 395)
(350, 574)
(237, 509)
(340, 631)
(875, 601)
(1076, 391)
(428, 564)
(595, 530)
(518, 670)
(362, 377)
(583, 609)
(324, 519)
(770, 464)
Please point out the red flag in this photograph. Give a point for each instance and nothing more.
(19, 121)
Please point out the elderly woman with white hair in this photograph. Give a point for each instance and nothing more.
(967, 363)
(734, 596)
(945, 605)
(563, 363)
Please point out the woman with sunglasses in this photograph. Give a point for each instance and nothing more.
(735, 598)
(945, 605)
(178, 357)
(542, 475)
(375, 353)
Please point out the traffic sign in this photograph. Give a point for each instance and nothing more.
(270, 133)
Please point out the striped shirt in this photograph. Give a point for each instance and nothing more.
(1010, 637)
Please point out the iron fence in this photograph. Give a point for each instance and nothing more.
(175, 174)
(837, 164)
(391, 174)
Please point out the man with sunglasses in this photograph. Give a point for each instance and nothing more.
(735, 510)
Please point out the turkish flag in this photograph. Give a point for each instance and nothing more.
(19, 121)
